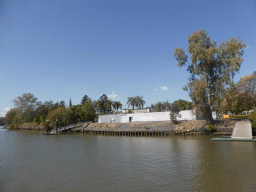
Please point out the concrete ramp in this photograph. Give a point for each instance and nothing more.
(242, 130)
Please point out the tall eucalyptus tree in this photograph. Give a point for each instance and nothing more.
(212, 69)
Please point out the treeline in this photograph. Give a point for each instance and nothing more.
(29, 109)
(138, 102)
(166, 106)
(2, 121)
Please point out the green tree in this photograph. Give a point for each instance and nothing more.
(184, 105)
(132, 101)
(73, 114)
(57, 104)
(85, 98)
(60, 114)
(109, 105)
(165, 105)
(117, 105)
(212, 69)
(237, 101)
(153, 107)
(62, 103)
(159, 106)
(140, 102)
(174, 111)
(88, 111)
(2, 121)
(25, 101)
(101, 103)
(28, 115)
(253, 121)
(247, 83)
(42, 110)
(70, 103)
(11, 115)
(37, 120)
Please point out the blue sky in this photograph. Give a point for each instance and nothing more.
(57, 49)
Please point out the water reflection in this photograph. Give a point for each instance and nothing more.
(86, 162)
(226, 166)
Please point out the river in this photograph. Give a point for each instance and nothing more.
(31, 161)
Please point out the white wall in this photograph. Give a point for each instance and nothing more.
(186, 115)
(140, 117)
(156, 116)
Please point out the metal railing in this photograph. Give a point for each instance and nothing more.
(67, 127)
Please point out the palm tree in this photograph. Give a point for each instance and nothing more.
(117, 105)
(109, 105)
(165, 105)
(152, 107)
(140, 101)
(132, 102)
(159, 106)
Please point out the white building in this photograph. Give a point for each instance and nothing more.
(154, 116)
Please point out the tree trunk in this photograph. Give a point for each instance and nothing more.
(206, 113)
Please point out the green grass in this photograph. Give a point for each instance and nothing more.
(242, 116)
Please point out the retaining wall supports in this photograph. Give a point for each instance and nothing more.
(127, 133)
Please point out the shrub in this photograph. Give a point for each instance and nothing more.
(252, 118)
(36, 119)
(211, 128)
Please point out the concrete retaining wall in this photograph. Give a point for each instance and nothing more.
(186, 127)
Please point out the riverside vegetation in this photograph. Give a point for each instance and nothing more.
(211, 88)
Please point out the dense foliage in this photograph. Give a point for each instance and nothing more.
(211, 128)
(174, 111)
(29, 109)
(2, 121)
(184, 105)
(241, 96)
(166, 106)
(253, 121)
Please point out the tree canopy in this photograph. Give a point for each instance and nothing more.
(212, 69)
(132, 102)
(85, 98)
(136, 101)
(174, 111)
(25, 101)
(184, 105)
(117, 105)
(241, 96)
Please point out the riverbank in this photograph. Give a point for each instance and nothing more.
(223, 127)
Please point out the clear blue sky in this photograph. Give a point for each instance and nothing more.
(57, 49)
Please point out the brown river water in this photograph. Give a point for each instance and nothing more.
(31, 161)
